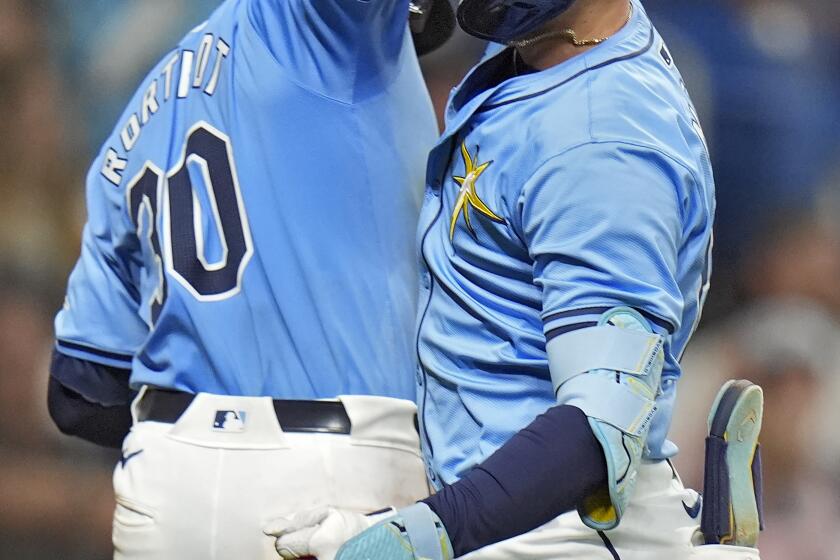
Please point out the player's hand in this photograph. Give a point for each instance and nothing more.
(319, 532)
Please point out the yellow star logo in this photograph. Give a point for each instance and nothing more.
(467, 196)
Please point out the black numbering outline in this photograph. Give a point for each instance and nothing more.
(210, 151)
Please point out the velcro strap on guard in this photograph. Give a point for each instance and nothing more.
(603, 347)
(422, 532)
(601, 398)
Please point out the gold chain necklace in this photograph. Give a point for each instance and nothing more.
(568, 34)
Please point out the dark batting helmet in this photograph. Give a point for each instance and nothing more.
(432, 23)
(503, 21)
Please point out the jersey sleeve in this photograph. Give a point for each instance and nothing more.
(603, 224)
(100, 320)
(343, 49)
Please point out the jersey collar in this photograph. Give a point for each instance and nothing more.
(468, 98)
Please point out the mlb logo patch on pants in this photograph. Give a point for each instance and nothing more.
(230, 420)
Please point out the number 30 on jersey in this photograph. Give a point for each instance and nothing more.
(172, 196)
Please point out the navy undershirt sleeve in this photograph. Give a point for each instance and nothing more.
(99, 413)
(546, 469)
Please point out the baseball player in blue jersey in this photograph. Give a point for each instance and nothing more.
(565, 246)
(247, 252)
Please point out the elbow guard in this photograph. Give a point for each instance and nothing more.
(612, 373)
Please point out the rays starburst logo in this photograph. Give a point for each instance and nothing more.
(468, 196)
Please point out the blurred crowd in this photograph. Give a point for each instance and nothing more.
(765, 76)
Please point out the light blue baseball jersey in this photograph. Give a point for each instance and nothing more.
(551, 198)
(251, 219)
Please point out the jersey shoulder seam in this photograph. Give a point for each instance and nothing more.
(286, 74)
(313, 91)
(594, 141)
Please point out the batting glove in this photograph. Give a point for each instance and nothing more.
(319, 532)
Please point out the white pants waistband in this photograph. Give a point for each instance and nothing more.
(227, 421)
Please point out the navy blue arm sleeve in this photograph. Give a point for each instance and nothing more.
(544, 470)
(104, 418)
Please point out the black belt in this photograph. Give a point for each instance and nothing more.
(162, 405)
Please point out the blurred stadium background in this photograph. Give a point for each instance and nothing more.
(765, 75)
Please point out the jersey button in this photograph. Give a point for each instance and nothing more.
(419, 375)
(427, 280)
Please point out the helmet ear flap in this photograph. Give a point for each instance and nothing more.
(432, 23)
(504, 21)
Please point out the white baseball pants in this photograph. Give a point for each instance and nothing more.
(657, 526)
(193, 491)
